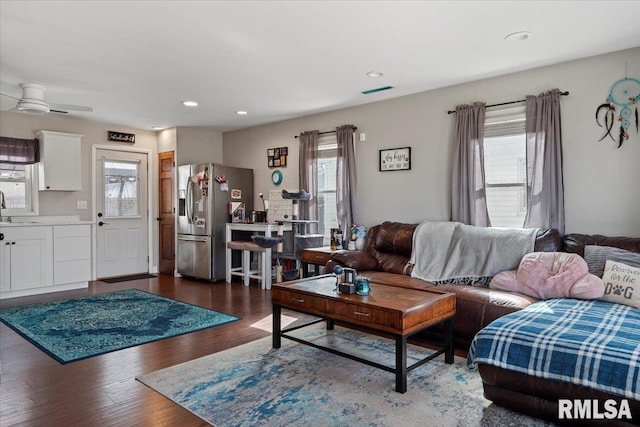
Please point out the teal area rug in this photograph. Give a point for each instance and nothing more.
(298, 385)
(78, 328)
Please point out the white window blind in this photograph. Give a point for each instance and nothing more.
(326, 203)
(505, 166)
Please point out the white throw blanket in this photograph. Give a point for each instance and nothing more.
(443, 251)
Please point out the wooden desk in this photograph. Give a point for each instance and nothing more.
(317, 257)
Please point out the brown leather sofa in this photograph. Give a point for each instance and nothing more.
(384, 259)
(539, 396)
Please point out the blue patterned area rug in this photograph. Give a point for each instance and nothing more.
(298, 385)
(78, 328)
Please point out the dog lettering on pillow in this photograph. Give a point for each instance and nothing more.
(622, 283)
(551, 275)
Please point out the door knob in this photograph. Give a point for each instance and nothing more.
(102, 223)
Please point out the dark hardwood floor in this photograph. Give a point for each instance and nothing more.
(36, 390)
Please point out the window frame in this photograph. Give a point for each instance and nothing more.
(327, 149)
(31, 190)
(509, 121)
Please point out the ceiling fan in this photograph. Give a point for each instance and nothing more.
(33, 102)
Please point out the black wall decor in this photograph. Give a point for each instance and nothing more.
(277, 157)
(122, 137)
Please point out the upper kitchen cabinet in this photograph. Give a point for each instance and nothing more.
(60, 166)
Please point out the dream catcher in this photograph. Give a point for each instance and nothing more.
(624, 94)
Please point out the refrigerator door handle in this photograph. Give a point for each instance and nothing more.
(192, 240)
(189, 202)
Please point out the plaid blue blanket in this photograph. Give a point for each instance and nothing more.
(591, 343)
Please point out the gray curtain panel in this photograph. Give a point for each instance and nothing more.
(468, 196)
(346, 177)
(545, 188)
(19, 151)
(308, 167)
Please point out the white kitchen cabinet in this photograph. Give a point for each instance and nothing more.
(60, 167)
(71, 253)
(26, 258)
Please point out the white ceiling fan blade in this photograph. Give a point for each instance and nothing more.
(11, 96)
(71, 107)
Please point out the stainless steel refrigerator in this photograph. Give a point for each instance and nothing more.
(204, 194)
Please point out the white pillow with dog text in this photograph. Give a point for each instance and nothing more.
(621, 283)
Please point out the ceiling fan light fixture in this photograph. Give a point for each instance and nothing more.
(33, 106)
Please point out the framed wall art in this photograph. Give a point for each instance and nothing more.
(395, 159)
(277, 157)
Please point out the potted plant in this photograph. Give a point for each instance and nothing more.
(358, 233)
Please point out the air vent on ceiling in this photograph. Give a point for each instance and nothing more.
(379, 89)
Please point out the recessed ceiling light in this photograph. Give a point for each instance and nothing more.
(241, 113)
(375, 74)
(518, 36)
(190, 103)
(157, 127)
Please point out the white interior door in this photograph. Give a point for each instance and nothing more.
(122, 224)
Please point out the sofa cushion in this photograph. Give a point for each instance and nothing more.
(575, 243)
(596, 256)
(551, 275)
(395, 237)
(548, 240)
(353, 259)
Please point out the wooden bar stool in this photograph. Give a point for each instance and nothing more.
(244, 270)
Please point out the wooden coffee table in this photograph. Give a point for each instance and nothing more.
(397, 311)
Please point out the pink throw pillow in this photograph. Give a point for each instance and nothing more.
(551, 275)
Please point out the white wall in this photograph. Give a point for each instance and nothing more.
(198, 145)
(167, 140)
(601, 182)
(52, 203)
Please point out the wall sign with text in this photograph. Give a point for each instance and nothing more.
(395, 159)
(122, 137)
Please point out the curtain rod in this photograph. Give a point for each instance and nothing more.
(506, 103)
(324, 133)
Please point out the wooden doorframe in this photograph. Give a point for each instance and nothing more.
(166, 264)
(94, 201)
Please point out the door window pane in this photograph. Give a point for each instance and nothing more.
(121, 189)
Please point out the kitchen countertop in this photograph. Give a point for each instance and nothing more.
(40, 224)
(37, 221)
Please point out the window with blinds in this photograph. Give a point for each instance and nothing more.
(19, 190)
(505, 166)
(327, 210)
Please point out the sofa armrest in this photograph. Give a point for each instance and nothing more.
(353, 259)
